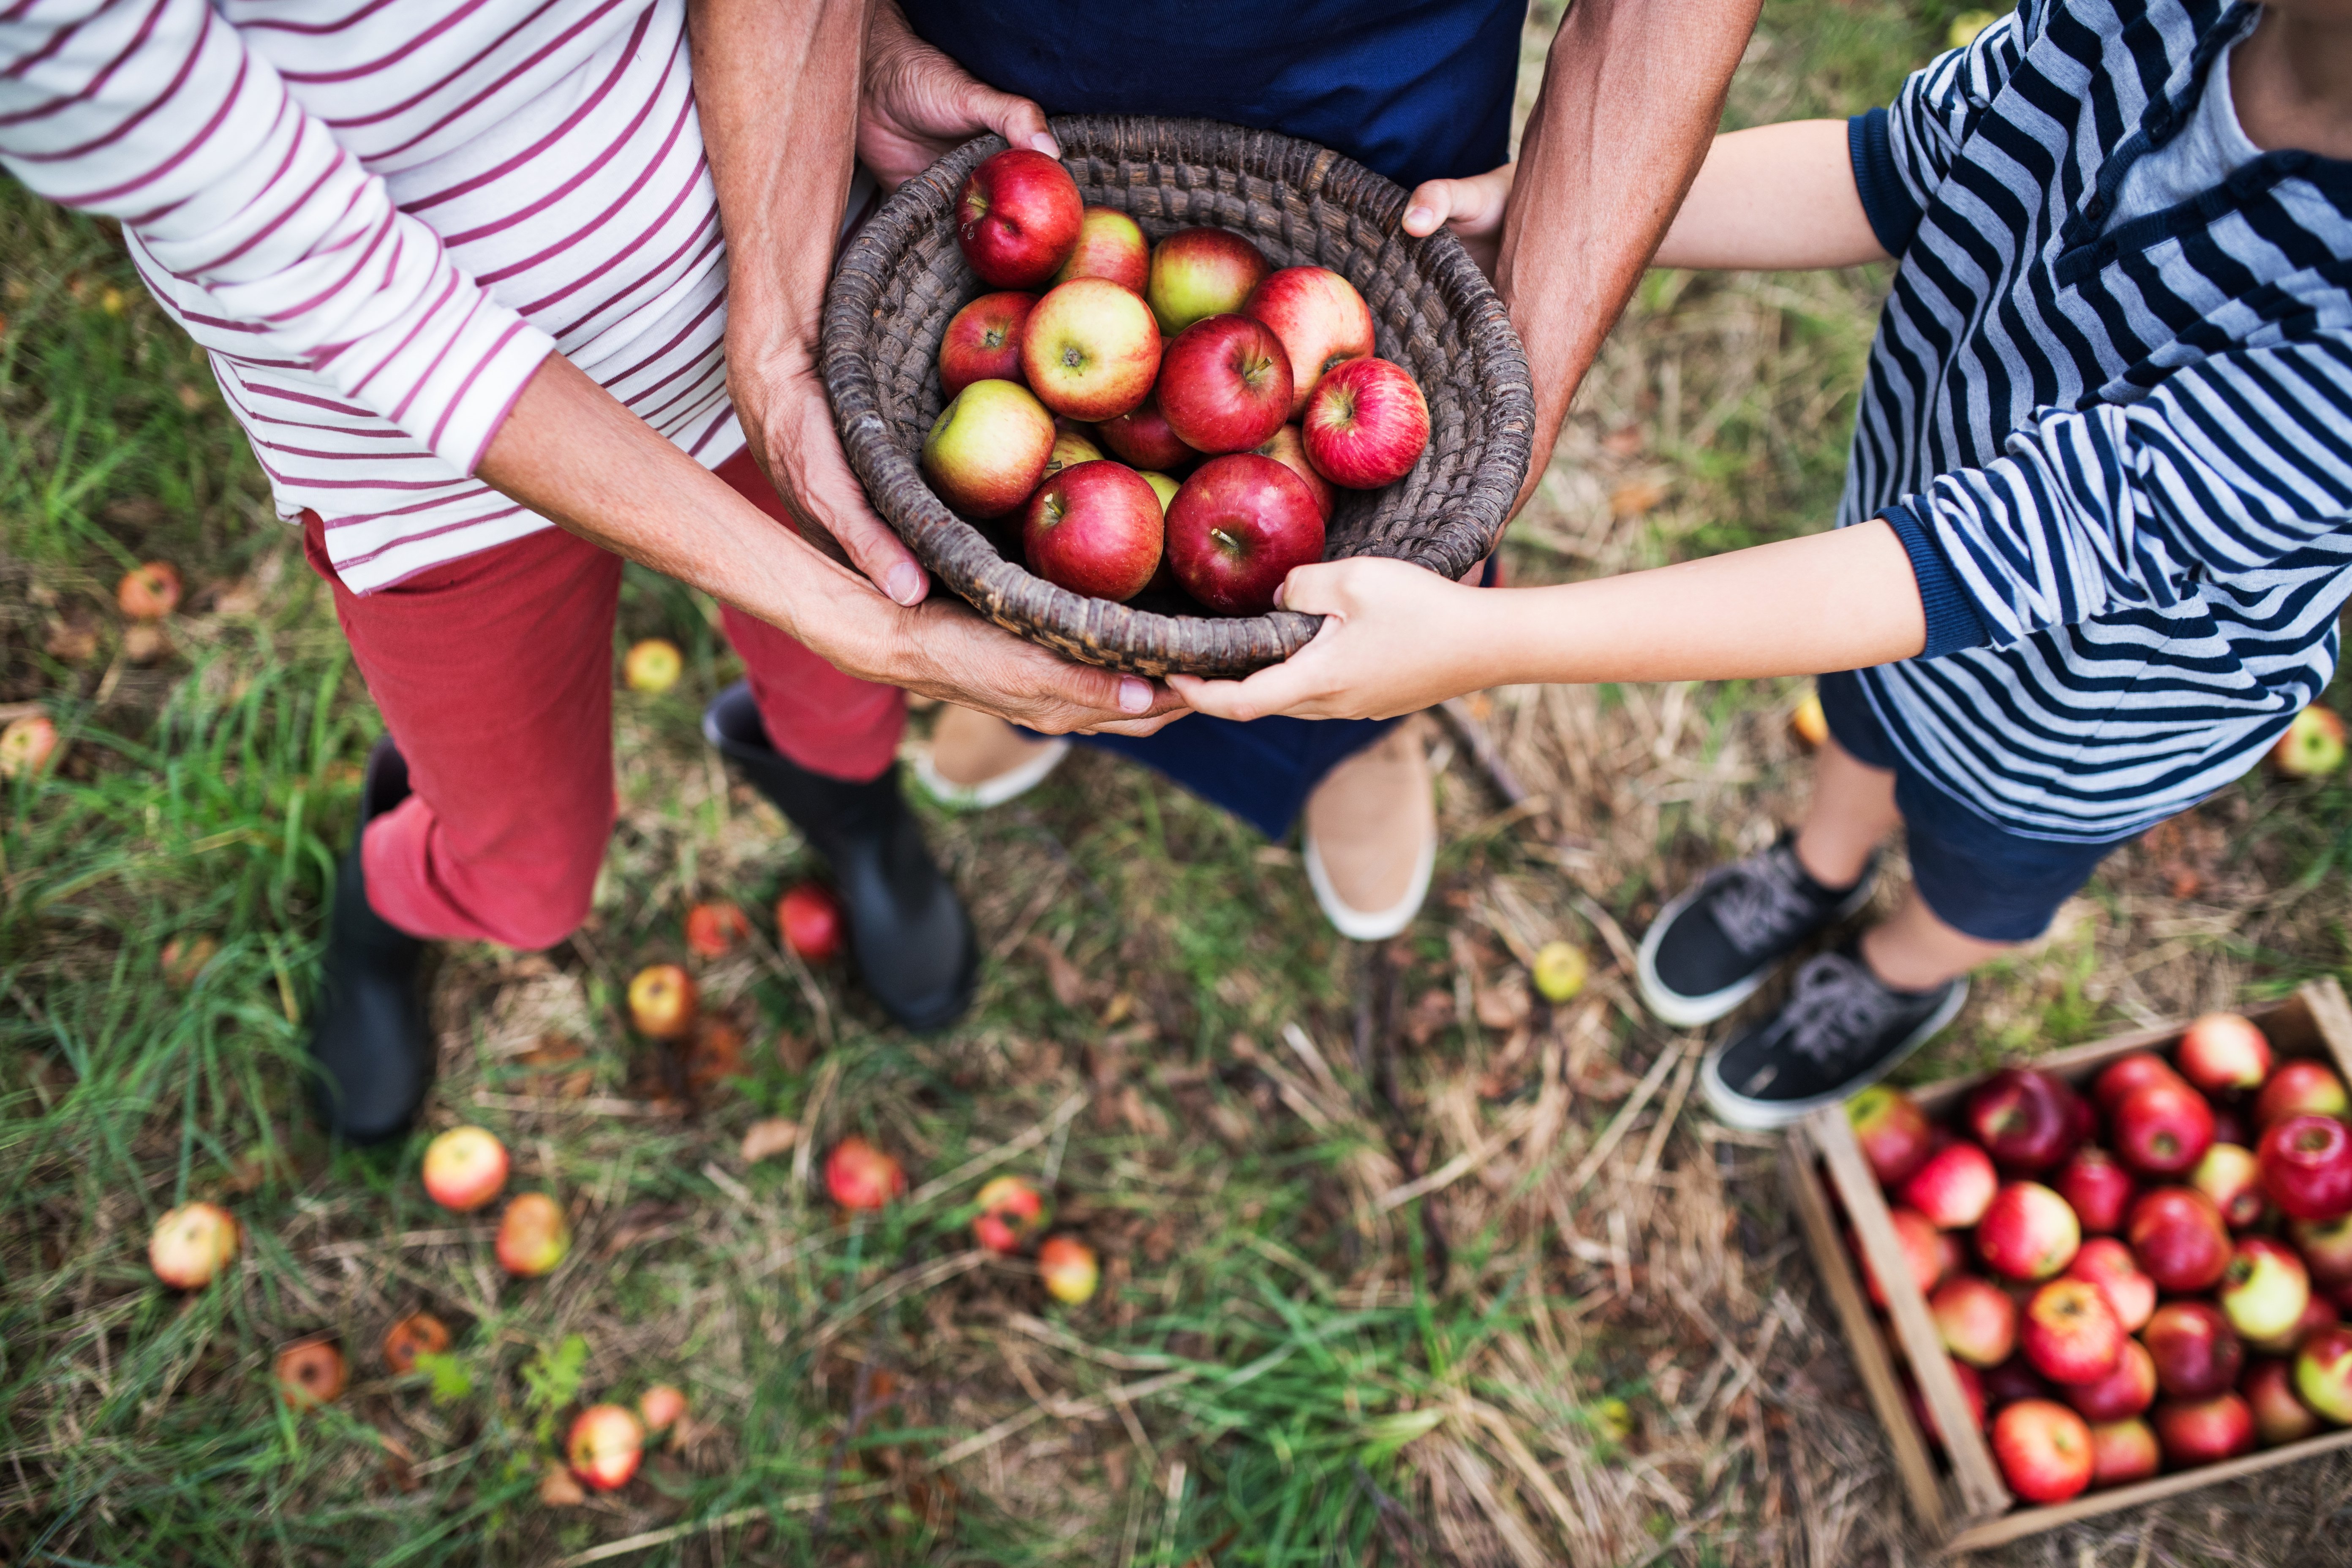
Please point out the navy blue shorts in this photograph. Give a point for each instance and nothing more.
(1978, 878)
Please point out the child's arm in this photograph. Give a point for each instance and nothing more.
(1778, 198)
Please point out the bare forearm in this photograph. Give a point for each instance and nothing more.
(1774, 197)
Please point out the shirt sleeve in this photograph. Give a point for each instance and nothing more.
(156, 113)
(2235, 467)
(1902, 152)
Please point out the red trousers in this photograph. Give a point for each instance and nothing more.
(495, 677)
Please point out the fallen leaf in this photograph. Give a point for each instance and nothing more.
(771, 1136)
(1432, 1011)
(143, 642)
(399, 1463)
(1505, 1004)
(558, 1488)
(553, 1052)
(1635, 497)
(72, 642)
(1062, 977)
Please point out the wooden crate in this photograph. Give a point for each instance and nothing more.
(1964, 1506)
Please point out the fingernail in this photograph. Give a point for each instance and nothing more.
(1418, 214)
(904, 582)
(1134, 696)
(1045, 144)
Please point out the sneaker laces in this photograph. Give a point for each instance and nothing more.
(1762, 901)
(1835, 1004)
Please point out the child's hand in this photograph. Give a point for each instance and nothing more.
(1472, 208)
(1395, 639)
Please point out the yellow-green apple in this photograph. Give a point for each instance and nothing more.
(191, 1244)
(1013, 1213)
(2109, 1264)
(2129, 1073)
(810, 919)
(151, 591)
(2311, 744)
(1976, 1319)
(1017, 218)
(1091, 350)
(2070, 1333)
(2178, 1237)
(1094, 528)
(2123, 1452)
(184, 957)
(1811, 721)
(1366, 425)
(2025, 1118)
(1953, 1185)
(311, 1372)
(2027, 1232)
(2204, 1431)
(2233, 1178)
(1224, 384)
(857, 1175)
(713, 927)
(464, 1168)
(1893, 1131)
(983, 341)
(2280, 1415)
(2097, 1187)
(1067, 1267)
(662, 1001)
(2306, 1167)
(987, 450)
(2222, 1052)
(1142, 437)
(2318, 1312)
(2162, 1128)
(1288, 448)
(1165, 488)
(1235, 530)
(661, 1407)
(419, 1333)
(652, 666)
(2323, 1374)
(1923, 1254)
(2265, 1288)
(1072, 445)
(1321, 319)
(1560, 970)
(1202, 272)
(2045, 1450)
(2128, 1390)
(2301, 1087)
(26, 745)
(1111, 244)
(605, 1445)
(2326, 1248)
(533, 1235)
(2197, 1354)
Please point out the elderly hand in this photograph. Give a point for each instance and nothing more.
(916, 104)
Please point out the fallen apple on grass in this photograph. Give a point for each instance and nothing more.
(2097, 1187)
(663, 1001)
(2123, 1452)
(1224, 384)
(419, 1333)
(1091, 350)
(2197, 1354)
(1321, 320)
(1013, 1213)
(812, 921)
(987, 450)
(1111, 244)
(2312, 746)
(712, 930)
(2280, 1415)
(2177, 1235)
(2233, 1178)
(2223, 1053)
(652, 666)
(1892, 1130)
(2110, 1264)
(2306, 1167)
(661, 1407)
(1367, 423)
(1068, 1268)
(26, 745)
(148, 592)
(982, 342)
(464, 1168)
(858, 1177)
(1018, 217)
(533, 1235)
(2265, 1290)
(2070, 1333)
(1236, 528)
(604, 1447)
(1140, 436)
(1976, 1319)
(1202, 272)
(2301, 1087)
(311, 1372)
(1559, 972)
(1094, 529)
(2128, 1390)
(184, 957)
(2027, 1232)
(1953, 1186)
(2204, 1431)
(2045, 1450)
(191, 1244)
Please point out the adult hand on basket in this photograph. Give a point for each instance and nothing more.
(917, 105)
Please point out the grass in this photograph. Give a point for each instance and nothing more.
(1595, 1345)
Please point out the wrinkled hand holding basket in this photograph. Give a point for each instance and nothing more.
(903, 277)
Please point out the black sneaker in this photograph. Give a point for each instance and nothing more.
(1840, 1030)
(1708, 950)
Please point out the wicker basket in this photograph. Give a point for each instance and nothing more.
(903, 277)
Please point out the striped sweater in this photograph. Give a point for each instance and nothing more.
(2119, 455)
(379, 217)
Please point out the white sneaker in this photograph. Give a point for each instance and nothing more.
(976, 760)
(1370, 838)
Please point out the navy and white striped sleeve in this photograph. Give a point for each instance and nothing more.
(1901, 154)
(2231, 467)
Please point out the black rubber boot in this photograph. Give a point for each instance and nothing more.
(912, 941)
(373, 1050)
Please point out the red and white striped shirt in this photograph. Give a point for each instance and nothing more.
(380, 216)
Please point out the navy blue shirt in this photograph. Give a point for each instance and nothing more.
(1414, 89)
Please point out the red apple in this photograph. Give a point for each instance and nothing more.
(2326, 1248)
(1111, 244)
(2204, 1431)
(1197, 273)
(2323, 1374)
(2178, 1237)
(2097, 1187)
(1953, 1186)
(1287, 447)
(2233, 1178)
(2045, 1450)
(1923, 1250)
(2318, 1312)
(464, 1168)
(2025, 1119)
(2311, 745)
(2306, 1167)
(1235, 530)
(533, 1235)
(1321, 319)
(2162, 1128)
(1094, 528)
(1976, 1319)
(148, 592)
(1068, 1268)
(311, 1372)
(1142, 437)
(857, 1175)
(1091, 350)
(2301, 1087)
(987, 450)
(2125, 1074)
(2013, 1380)
(2123, 1452)
(812, 921)
(2126, 1391)
(2280, 1415)
(1366, 425)
(191, 1244)
(419, 1333)
(2222, 1052)
(606, 1443)
(1017, 218)
(661, 1407)
(663, 1001)
(2265, 1290)
(1012, 1214)
(26, 745)
(652, 666)
(983, 341)
(2027, 1232)
(1893, 1131)
(2230, 1125)
(713, 928)
(2197, 1354)
(2109, 1264)
(2070, 1333)
(1224, 384)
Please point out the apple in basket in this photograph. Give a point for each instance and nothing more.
(1321, 319)
(1111, 244)
(1017, 218)
(1367, 423)
(1094, 528)
(1142, 437)
(987, 450)
(1091, 350)
(1202, 272)
(1287, 447)
(1235, 530)
(1224, 384)
(983, 341)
